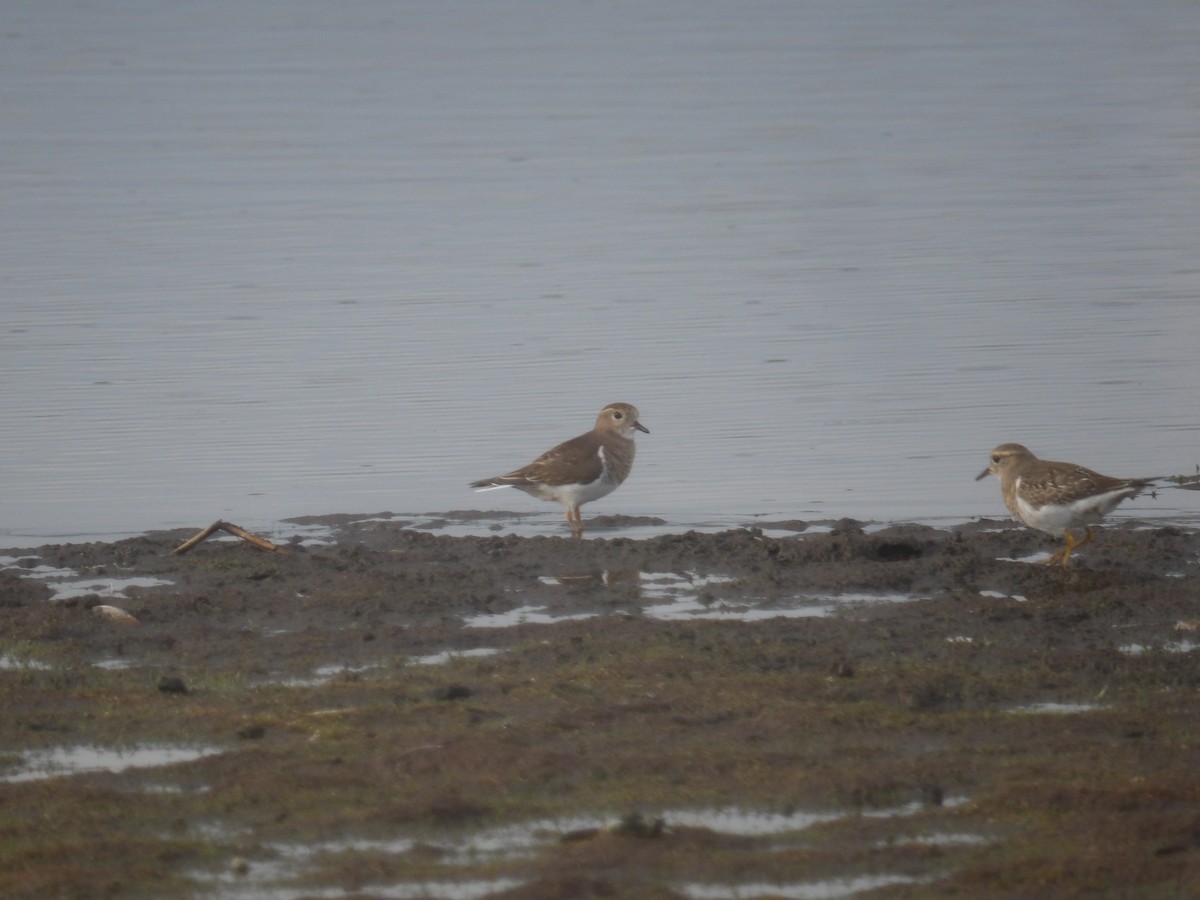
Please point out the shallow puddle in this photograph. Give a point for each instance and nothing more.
(265, 881)
(550, 524)
(440, 659)
(38, 572)
(1000, 595)
(522, 615)
(1054, 708)
(1035, 558)
(276, 875)
(807, 607)
(524, 838)
(752, 823)
(684, 602)
(596, 578)
(61, 761)
(327, 673)
(810, 890)
(321, 675)
(676, 596)
(115, 662)
(285, 863)
(1184, 646)
(17, 663)
(445, 890)
(748, 823)
(692, 607)
(68, 583)
(670, 584)
(103, 587)
(938, 839)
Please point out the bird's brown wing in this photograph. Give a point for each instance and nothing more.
(576, 461)
(1063, 483)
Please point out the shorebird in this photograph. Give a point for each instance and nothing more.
(580, 470)
(1055, 497)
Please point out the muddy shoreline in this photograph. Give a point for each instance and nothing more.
(919, 712)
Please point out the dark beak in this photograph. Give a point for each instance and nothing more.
(984, 474)
(640, 427)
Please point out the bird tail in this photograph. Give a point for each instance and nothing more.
(491, 484)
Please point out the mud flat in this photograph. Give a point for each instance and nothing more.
(770, 711)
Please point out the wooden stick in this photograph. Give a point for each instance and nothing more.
(261, 542)
(193, 541)
(219, 525)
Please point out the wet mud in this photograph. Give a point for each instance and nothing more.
(782, 710)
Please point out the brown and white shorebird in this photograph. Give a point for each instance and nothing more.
(582, 469)
(1055, 497)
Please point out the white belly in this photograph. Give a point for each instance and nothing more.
(1054, 518)
(572, 495)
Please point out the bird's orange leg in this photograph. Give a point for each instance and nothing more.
(575, 521)
(1063, 554)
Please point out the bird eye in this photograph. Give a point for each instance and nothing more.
(996, 458)
(618, 415)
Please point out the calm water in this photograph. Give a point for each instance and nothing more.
(271, 257)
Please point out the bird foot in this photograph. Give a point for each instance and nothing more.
(1063, 554)
(575, 523)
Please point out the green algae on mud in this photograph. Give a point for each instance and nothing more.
(884, 736)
